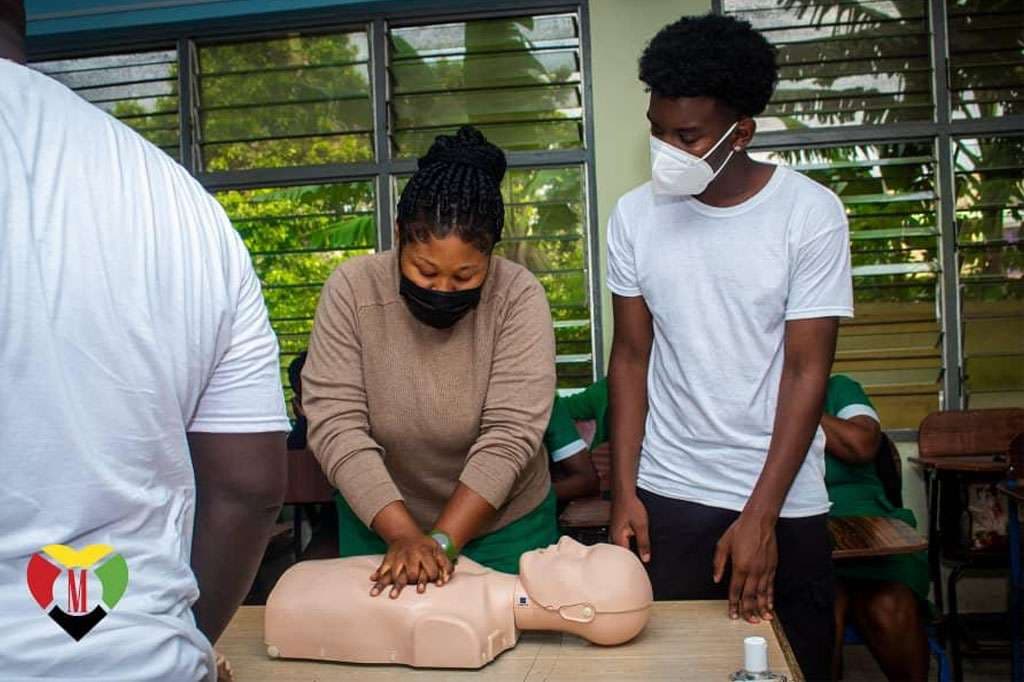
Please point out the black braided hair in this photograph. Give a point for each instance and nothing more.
(455, 190)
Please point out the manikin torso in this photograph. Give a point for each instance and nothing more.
(323, 610)
(464, 624)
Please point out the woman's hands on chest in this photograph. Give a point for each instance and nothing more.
(412, 560)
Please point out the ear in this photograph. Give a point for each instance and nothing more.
(743, 134)
(578, 613)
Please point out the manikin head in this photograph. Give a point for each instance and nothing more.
(599, 592)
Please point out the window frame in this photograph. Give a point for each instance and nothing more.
(942, 131)
(187, 37)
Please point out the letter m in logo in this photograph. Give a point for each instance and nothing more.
(77, 597)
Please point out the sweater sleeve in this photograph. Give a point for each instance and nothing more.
(520, 392)
(334, 399)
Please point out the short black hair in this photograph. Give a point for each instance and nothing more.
(12, 13)
(712, 56)
(455, 190)
(295, 372)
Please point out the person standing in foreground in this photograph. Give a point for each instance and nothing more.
(729, 277)
(135, 335)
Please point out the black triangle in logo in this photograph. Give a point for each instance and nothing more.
(77, 626)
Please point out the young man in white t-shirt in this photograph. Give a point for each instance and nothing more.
(141, 397)
(729, 277)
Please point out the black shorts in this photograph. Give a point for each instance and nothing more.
(683, 537)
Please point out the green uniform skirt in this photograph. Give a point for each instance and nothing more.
(499, 550)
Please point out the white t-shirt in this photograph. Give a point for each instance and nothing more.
(131, 315)
(721, 284)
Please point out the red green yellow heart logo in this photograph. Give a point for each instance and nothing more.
(77, 619)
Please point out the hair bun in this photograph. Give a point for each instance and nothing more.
(467, 147)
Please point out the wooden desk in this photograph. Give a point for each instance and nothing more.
(964, 463)
(306, 485)
(936, 469)
(858, 537)
(684, 640)
(591, 512)
(306, 481)
(852, 538)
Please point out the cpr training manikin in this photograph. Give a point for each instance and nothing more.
(322, 610)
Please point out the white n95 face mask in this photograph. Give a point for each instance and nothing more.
(680, 173)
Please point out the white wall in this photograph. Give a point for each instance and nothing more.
(619, 32)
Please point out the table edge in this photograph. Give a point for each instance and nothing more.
(793, 667)
(787, 651)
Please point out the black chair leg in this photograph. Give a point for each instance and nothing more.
(953, 630)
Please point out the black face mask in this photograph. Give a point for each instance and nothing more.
(439, 309)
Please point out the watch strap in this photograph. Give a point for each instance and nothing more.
(446, 543)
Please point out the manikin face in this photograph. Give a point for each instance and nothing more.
(570, 577)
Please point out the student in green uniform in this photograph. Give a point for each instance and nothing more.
(572, 470)
(885, 597)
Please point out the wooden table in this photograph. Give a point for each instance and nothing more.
(857, 537)
(590, 512)
(965, 463)
(684, 640)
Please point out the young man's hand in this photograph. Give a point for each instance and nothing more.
(749, 545)
(629, 520)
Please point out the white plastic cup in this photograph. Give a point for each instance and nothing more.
(755, 654)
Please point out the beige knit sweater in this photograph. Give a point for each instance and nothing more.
(399, 410)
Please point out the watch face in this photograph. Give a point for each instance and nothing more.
(446, 544)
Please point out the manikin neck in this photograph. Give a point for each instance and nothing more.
(532, 616)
